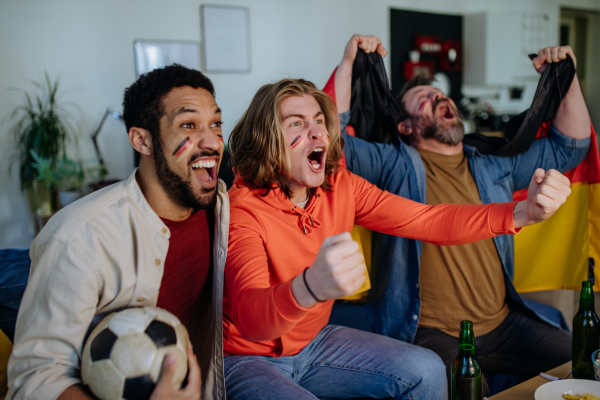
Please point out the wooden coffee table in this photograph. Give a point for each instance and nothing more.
(525, 390)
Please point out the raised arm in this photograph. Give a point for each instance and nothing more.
(366, 159)
(555, 151)
(572, 118)
(343, 75)
(450, 224)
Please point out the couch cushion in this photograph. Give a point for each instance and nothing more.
(14, 273)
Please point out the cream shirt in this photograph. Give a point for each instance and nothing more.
(104, 252)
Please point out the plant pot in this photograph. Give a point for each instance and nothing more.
(42, 200)
(67, 197)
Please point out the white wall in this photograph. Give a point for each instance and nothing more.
(90, 45)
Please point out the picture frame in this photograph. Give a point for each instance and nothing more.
(155, 53)
(225, 38)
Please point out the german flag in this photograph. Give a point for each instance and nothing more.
(556, 253)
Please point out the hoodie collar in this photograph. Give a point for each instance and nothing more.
(277, 199)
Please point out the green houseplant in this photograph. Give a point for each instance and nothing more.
(64, 175)
(42, 125)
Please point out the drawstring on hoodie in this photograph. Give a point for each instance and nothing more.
(304, 217)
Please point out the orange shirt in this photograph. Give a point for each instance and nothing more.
(271, 241)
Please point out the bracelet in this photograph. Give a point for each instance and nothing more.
(308, 288)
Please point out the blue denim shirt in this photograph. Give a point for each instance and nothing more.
(394, 301)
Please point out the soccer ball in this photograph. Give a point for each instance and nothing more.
(123, 356)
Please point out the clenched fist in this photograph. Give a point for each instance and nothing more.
(368, 44)
(551, 55)
(547, 192)
(338, 271)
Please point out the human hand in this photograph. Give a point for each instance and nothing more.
(338, 269)
(550, 55)
(165, 390)
(368, 44)
(547, 192)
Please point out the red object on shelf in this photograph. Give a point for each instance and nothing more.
(451, 56)
(412, 69)
(428, 44)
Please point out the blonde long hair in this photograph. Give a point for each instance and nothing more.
(260, 152)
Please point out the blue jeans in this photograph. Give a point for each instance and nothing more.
(340, 363)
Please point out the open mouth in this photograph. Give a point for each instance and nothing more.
(444, 111)
(315, 158)
(205, 170)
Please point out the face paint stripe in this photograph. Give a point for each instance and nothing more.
(294, 141)
(180, 149)
(221, 139)
(185, 150)
(296, 146)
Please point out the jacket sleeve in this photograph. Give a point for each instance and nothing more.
(51, 326)
(443, 224)
(372, 161)
(555, 151)
(259, 310)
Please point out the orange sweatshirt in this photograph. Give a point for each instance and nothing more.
(271, 241)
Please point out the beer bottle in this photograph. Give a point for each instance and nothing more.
(466, 374)
(586, 334)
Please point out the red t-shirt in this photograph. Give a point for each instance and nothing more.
(187, 278)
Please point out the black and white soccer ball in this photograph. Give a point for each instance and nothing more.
(123, 356)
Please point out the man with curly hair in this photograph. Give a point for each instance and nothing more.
(158, 238)
(291, 255)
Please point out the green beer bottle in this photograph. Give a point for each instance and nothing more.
(466, 373)
(586, 334)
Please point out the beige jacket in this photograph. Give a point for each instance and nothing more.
(104, 252)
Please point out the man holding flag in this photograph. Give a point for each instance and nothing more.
(420, 292)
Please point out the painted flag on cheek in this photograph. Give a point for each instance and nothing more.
(555, 254)
(296, 143)
(182, 149)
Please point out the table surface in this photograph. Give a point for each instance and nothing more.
(525, 390)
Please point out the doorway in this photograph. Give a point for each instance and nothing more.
(580, 29)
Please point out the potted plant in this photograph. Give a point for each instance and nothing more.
(70, 174)
(65, 176)
(42, 126)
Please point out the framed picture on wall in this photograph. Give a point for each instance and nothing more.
(225, 38)
(152, 54)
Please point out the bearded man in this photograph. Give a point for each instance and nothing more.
(421, 291)
(158, 238)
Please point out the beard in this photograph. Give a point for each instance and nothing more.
(179, 189)
(449, 133)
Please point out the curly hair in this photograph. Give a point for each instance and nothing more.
(419, 80)
(259, 149)
(142, 102)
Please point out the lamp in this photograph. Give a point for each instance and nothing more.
(103, 171)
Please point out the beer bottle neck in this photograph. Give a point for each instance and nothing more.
(586, 298)
(466, 350)
(466, 340)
